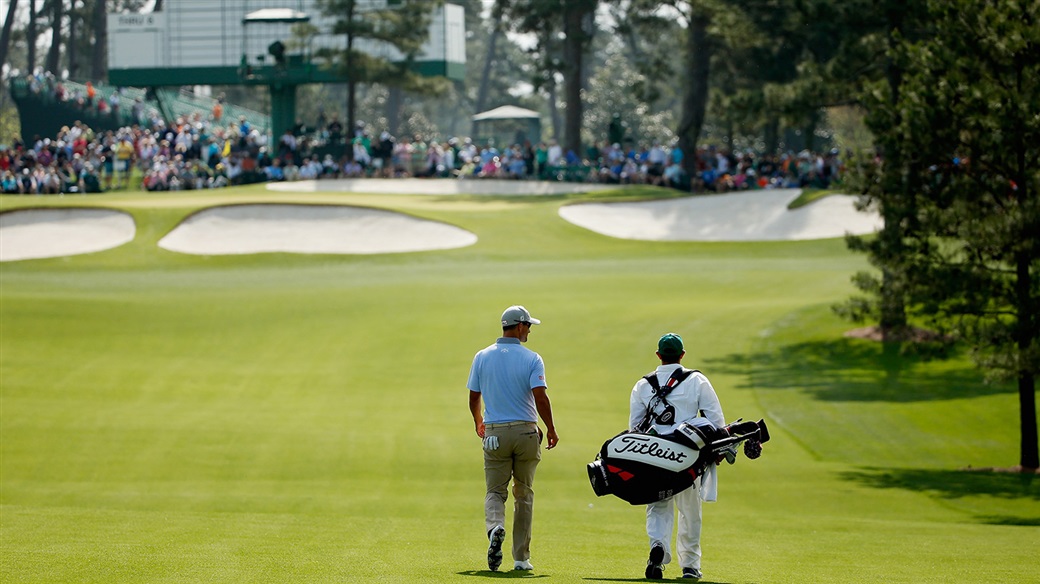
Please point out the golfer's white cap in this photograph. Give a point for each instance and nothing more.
(516, 315)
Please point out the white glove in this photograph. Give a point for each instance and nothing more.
(490, 443)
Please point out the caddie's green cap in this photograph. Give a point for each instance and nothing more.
(670, 345)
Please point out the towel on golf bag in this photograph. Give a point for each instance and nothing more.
(643, 468)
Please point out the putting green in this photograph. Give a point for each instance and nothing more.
(302, 418)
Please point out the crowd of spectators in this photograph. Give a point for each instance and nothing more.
(717, 170)
(190, 154)
(206, 150)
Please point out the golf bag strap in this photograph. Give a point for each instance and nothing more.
(678, 376)
(660, 393)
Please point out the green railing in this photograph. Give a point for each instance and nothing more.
(182, 103)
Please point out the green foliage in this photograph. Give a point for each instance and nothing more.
(563, 32)
(650, 35)
(850, 133)
(611, 92)
(10, 124)
(881, 188)
(402, 26)
(958, 183)
(775, 63)
(969, 104)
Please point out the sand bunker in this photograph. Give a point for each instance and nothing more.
(47, 233)
(258, 228)
(744, 216)
(419, 186)
(246, 229)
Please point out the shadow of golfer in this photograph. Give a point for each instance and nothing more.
(503, 575)
(648, 580)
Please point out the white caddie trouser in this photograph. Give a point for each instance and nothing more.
(660, 518)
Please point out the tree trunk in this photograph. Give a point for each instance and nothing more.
(893, 313)
(771, 134)
(695, 98)
(729, 134)
(1028, 307)
(1029, 457)
(351, 115)
(1028, 406)
(1027, 334)
(71, 50)
(5, 35)
(54, 54)
(573, 55)
(893, 322)
(554, 110)
(351, 86)
(893, 305)
(98, 66)
(394, 100)
(810, 131)
(30, 38)
(489, 60)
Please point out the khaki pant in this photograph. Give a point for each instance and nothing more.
(517, 457)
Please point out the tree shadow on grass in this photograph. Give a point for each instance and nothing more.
(851, 370)
(954, 484)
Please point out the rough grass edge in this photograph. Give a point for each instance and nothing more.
(810, 195)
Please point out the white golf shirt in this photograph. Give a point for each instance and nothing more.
(691, 397)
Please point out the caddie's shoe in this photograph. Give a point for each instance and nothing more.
(524, 565)
(497, 535)
(654, 570)
(692, 573)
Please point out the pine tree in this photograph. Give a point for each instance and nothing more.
(962, 140)
(403, 25)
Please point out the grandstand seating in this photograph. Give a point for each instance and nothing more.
(42, 113)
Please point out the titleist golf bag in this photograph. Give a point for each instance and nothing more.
(644, 468)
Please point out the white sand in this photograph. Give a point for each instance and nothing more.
(743, 216)
(244, 229)
(45, 233)
(256, 228)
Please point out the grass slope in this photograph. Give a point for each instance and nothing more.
(294, 418)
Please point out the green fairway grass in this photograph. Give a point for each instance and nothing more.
(303, 418)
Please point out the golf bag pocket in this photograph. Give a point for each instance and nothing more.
(644, 468)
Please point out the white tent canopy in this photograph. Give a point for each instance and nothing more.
(507, 112)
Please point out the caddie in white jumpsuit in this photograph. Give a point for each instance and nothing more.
(693, 397)
(510, 381)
